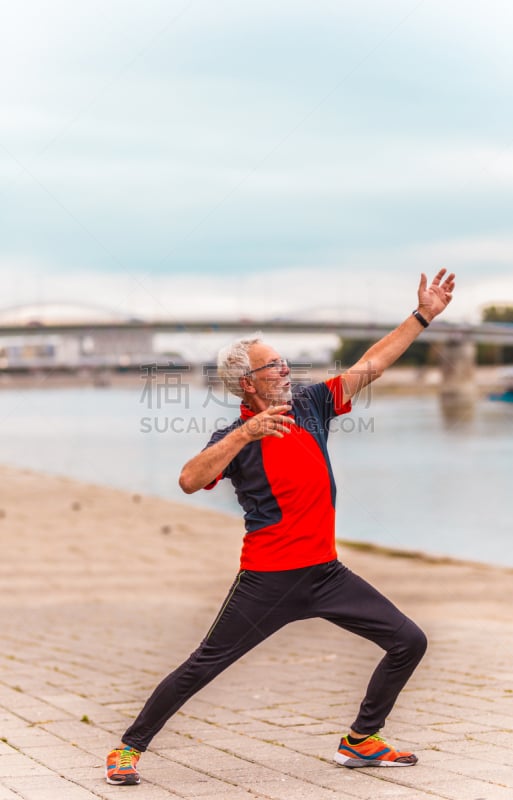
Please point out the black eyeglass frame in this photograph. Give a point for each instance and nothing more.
(278, 362)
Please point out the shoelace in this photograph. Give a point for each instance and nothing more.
(125, 757)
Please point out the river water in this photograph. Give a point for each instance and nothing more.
(405, 478)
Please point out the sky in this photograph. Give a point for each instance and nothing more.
(256, 159)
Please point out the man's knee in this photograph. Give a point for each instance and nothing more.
(412, 640)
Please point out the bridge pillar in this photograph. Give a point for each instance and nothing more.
(457, 387)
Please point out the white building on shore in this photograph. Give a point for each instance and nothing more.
(73, 349)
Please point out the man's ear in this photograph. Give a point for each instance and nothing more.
(246, 385)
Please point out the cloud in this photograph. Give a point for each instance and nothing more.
(171, 151)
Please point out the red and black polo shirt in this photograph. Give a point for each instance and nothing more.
(286, 486)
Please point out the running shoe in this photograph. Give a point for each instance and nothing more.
(121, 767)
(371, 752)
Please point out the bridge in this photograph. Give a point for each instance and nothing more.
(438, 331)
(109, 343)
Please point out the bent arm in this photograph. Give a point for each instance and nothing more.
(207, 465)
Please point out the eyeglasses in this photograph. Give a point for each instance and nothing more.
(278, 364)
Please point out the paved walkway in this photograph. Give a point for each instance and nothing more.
(103, 593)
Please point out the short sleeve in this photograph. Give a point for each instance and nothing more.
(336, 389)
(324, 399)
(214, 483)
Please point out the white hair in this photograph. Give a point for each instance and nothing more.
(233, 363)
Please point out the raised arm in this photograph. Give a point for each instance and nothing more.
(207, 465)
(432, 300)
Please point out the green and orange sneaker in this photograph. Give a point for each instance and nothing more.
(372, 751)
(121, 767)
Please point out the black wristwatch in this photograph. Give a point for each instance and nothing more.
(423, 321)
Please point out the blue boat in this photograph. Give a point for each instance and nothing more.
(506, 395)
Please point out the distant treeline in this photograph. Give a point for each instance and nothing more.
(494, 353)
(421, 353)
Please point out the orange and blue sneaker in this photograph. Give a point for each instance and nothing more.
(121, 767)
(372, 751)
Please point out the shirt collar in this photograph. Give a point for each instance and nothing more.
(247, 413)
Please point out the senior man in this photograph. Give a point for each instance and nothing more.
(275, 455)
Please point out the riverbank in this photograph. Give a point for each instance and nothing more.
(104, 591)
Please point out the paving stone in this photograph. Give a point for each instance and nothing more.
(19, 765)
(267, 727)
(7, 794)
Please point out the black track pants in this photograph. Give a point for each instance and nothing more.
(258, 604)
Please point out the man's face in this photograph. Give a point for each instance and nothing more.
(270, 375)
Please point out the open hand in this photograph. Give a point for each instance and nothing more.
(435, 298)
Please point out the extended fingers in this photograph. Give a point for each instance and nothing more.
(447, 286)
(282, 424)
(439, 275)
(271, 423)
